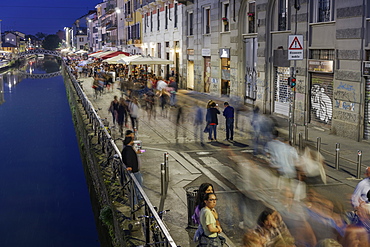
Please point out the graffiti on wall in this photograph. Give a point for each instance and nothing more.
(344, 105)
(321, 103)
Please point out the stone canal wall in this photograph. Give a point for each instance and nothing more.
(103, 192)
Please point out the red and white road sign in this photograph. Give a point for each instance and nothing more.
(295, 47)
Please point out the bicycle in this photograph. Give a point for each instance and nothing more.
(157, 236)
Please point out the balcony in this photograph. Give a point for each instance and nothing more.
(110, 26)
(110, 9)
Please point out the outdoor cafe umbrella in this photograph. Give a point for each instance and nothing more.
(114, 54)
(113, 60)
(126, 60)
(147, 60)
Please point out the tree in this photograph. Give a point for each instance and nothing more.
(40, 35)
(51, 42)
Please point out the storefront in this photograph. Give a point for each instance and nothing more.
(321, 92)
(190, 71)
(225, 71)
(206, 54)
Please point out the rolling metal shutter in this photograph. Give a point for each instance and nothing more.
(367, 110)
(282, 91)
(321, 99)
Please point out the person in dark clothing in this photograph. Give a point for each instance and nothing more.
(212, 121)
(229, 116)
(121, 114)
(132, 163)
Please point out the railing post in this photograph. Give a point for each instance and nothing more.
(337, 148)
(318, 144)
(359, 159)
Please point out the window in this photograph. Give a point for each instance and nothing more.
(323, 10)
(207, 20)
(176, 17)
(166, 19)
(81, 39)
(151, 21)
(283, 15)
(225, 17)
(158, 20)
(159, 50)
(145, 22)
(190, 23)
(323, 54)
(251, 17)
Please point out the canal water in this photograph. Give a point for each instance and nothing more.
(44, 198)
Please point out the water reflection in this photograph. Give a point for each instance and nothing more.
(44, 197)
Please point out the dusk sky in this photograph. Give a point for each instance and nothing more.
(46, 16)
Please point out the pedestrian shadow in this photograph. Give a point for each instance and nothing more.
(239, 144)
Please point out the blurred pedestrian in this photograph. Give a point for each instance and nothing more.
(270, 226)
(198, 123)
(262, 130)
(134, 113)
(229, 117)
(113, 109)
(212, 121)
(121, 114)
(174, 87)
(360, 193)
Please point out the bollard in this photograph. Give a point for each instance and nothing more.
(300, 141)
(318, 144)
(306, 132)
(359, 158)
(163, 180)
(167, 166)
(337, 147)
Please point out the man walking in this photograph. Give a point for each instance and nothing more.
(229, 116)
(131, 161)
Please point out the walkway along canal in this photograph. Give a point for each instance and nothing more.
(113, 185)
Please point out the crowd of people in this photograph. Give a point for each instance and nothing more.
(296, 218)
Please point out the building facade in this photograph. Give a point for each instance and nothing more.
(247, 50)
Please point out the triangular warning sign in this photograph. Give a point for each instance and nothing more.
(295, 45)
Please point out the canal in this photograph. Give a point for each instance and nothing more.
(43, 192)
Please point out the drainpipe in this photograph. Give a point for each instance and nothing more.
(362, 98)
(268, 52)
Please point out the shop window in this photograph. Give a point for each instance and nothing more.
(322, 54)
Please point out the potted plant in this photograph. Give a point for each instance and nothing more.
(225, 20)
(251, 16)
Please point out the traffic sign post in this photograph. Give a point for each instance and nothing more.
(295, 47)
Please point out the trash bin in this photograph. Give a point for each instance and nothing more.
(191, 194)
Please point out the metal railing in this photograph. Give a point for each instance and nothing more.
(304, 142)
(127, 179)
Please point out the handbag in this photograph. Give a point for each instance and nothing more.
(206, 129)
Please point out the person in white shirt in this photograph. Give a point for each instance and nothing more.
(361, 190)
(161, 84)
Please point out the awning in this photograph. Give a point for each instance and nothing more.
(116, 53)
